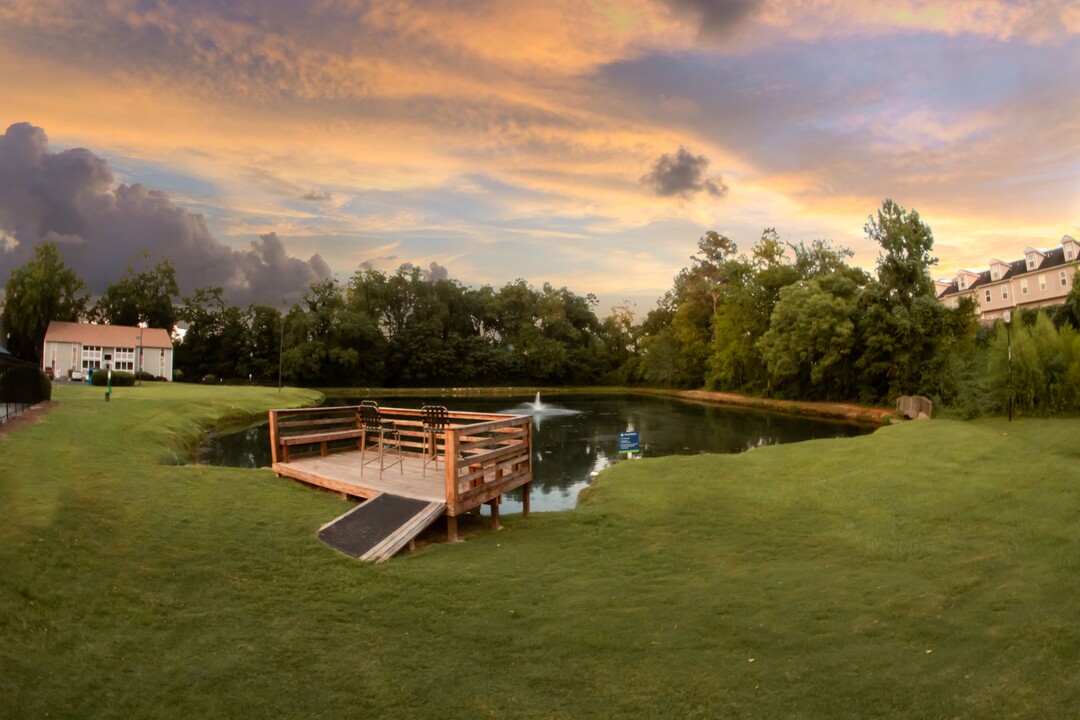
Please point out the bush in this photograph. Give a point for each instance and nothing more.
(120, 378)
(210, 379)
(178, 375)
(145, 376)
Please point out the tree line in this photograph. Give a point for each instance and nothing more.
(782, 320)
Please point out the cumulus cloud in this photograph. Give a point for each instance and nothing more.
(68, 198)
(436, 272)
(682, 175)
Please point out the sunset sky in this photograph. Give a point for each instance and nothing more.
(586, 144)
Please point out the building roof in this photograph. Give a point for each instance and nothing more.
(107, 335)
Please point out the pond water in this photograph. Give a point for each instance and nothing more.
(576, 436)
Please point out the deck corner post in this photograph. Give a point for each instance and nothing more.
(450, 466)
(273, 438)
(525, 499)
(451, 529)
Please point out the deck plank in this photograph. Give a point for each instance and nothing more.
(341, 472)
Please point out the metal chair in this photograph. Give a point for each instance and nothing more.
(386, 436)
(434, 418)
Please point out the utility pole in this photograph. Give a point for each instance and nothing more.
(1008, 338)
(281, 346)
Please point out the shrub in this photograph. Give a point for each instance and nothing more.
(120, 378)
(145, 376)
(46, 386)
(178, 375)
(210, 379)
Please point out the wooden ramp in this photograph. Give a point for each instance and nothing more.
(375, 530)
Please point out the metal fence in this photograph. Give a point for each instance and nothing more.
(22, 385)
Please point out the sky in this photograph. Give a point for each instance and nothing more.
(262, 145)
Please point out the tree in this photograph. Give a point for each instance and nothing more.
(810, 337)
(37, 293)
(903, 329)
(903, 266)
(141, 297)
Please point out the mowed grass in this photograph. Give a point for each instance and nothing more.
(927, 570)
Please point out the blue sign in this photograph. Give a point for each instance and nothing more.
(628, 442)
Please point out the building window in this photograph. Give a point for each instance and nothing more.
(1023, 286)
(962, 282)
(124, 359)
(1064, 279)
(1004, 292)
(988, 295)
(91, 357)
(1031, 262)
(1068, 252)
(1042, 282)
(997, 274)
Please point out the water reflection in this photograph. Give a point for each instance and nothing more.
(575, 436)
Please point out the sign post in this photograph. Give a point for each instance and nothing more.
(629, 443)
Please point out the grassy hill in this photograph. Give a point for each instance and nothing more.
(927, 570)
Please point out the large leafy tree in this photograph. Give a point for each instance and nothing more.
(811, 335)
(40, 291)
(904, 262)
(141, 297)
(680, 330)
(905, 333)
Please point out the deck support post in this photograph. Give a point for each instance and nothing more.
(525, 499)
(451, 529)
(495, 514)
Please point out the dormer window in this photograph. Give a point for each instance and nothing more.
(962, 282)
(1068, 252)
(996, 273)
(1030, 262)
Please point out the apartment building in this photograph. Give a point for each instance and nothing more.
(85, 347)
(1039, 279)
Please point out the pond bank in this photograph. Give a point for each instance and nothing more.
(839, 411)
(836, 411)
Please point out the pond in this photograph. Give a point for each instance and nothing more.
(576, 436)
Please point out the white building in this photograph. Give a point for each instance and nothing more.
(78, 346)
(1041, 278)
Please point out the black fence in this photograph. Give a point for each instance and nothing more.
(22, 385)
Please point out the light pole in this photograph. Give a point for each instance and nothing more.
(281, 346)
(138, 360)
(1008, 337)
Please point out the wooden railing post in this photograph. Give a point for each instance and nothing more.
(526, 489)
(450, 447)
(273, 437)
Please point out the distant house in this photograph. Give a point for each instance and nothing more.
(1041, 278)
(79, 346)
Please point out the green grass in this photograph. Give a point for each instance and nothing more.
(928, 570)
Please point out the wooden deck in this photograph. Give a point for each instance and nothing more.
(340, 472)
(481, 456)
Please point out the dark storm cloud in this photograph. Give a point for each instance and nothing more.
(68, 198)
(682, 175)
(716, 19)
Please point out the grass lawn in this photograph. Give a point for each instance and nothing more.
(927, 570)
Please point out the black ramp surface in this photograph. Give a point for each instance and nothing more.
(370, 523)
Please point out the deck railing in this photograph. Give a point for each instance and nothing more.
(482, 455)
